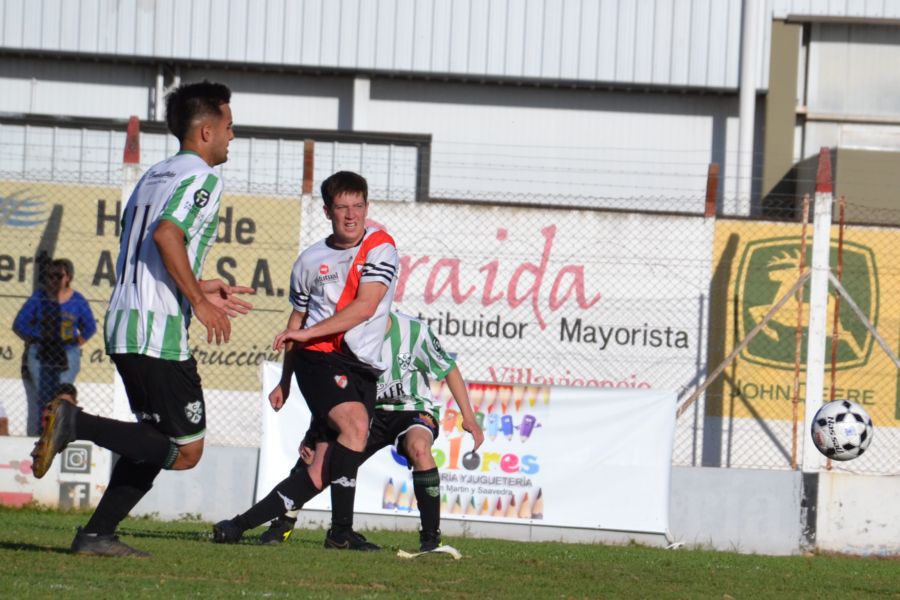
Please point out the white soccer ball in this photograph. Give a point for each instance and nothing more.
(842, 430)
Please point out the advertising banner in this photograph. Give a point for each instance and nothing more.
(756, 265)
(76, 480)
(558, 456)
(550, 296)
(256, 246)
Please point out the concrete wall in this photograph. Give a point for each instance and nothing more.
(736, 510)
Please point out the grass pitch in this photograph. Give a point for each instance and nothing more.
(35, 563)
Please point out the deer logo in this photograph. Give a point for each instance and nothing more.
(769, 268)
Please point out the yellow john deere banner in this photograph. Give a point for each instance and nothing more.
(257, 245)
(755, 265)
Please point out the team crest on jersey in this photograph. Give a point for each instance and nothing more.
(404, 360)
(436, 343)
(341, 381)
(201, 197)
(194, 411)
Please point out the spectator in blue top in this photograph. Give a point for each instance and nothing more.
(54, 322)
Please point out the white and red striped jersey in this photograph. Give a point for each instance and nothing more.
(324, 280)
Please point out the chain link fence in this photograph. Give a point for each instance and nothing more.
(523, 295)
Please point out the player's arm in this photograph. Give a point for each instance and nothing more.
(169, 238)
(460, 393)
(279, 395)
(360, 309)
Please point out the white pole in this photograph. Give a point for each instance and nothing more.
(749, 40)
(818, 308)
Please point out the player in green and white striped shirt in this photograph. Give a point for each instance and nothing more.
(415, 357)
(168, 226)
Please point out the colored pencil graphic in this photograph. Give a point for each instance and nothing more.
(504, 396)
(527, 427)
(498, 508)
(511, 508)
(532, 394)
(413, 503)
(402, 503)
(443, 504)
(506, 426)
(457, 507)
(390, 494)
(525, 508)
(493, 427)
(537, 509)
(476, 395)
(485, 507)
(449, 421)
(479, 418)
(518, 395)
(471, 507)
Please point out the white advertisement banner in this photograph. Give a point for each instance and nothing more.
(76, 479)
(552, 297)
(570, 457)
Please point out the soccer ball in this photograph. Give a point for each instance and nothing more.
(842, 430)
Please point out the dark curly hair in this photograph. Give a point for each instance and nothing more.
(191, 101)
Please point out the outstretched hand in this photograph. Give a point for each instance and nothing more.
(222, 295)
(218, 304)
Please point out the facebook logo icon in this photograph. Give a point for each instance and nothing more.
(74, 494)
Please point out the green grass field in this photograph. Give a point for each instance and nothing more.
(35, 562)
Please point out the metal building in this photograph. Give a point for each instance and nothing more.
(601, 103)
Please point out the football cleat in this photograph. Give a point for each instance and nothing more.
(227, 532)
(279, 531)
(59, 430)
(429, 540)
(347, 539)
(96, 544)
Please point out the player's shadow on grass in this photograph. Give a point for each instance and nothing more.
(166, 535)
(19, 547)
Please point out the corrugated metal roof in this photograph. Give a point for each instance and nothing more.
(675, 43)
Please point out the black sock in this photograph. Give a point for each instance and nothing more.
(138, 441)
(129, 482)
(343, 463)
(292, 493)
(427, 487)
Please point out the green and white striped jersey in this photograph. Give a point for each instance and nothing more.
(415, 357)
(147, 314)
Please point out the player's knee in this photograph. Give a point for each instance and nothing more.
(356, 431)
(419, 452)
(188, 456)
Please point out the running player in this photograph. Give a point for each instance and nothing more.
(168, 227)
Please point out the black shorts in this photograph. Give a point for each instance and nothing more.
(326, 379)
(165, 394)
(388, 428)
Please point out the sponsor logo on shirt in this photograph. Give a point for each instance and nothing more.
(329, 278)
(201, 198)
(159, 177)
(323, 269)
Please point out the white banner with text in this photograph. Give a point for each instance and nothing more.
(561, 456)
